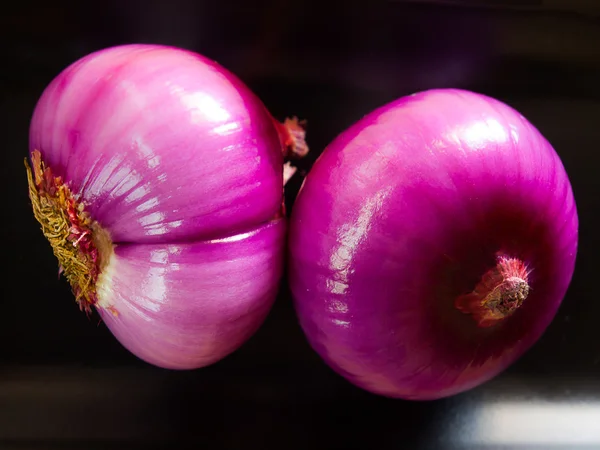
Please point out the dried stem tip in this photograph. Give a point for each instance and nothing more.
(499, 294)
(292, 134)
(80, 244)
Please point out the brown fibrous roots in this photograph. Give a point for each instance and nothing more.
(77, 241)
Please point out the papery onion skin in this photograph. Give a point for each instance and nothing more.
(403, 214)
(181, 165)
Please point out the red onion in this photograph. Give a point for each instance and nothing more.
(432, 244)
(157, 177)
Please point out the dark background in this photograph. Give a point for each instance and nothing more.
(65, 382)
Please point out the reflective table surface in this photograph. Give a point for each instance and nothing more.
(65, 382)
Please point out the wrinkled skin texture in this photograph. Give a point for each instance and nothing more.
(182, 165)
(404, 212)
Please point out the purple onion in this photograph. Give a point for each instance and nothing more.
(432, 244)
(158, 180)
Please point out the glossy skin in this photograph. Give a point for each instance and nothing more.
(404, 212)
(203, 299)
(182, 165)
(161, 143)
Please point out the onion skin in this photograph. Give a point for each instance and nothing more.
(181, 166)
(123, 121)
(204, 299)
(402, 216)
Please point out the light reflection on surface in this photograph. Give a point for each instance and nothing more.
(349, 238)
(201, 106)
(337, 306)
(147, 204)
(128, 180)
(152, 218)
(484, 131)
(159, 255)
(341, 323)
(154, 288)
(235, 238)
(147, 153)
(137, 194)
(519, 424)
(514, 134)
(336, 287)
(162, 227)
(45, 402)
(228, 128)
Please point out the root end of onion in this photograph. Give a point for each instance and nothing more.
(80, 244)
(500, 293)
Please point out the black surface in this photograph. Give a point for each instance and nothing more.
(65, 382)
